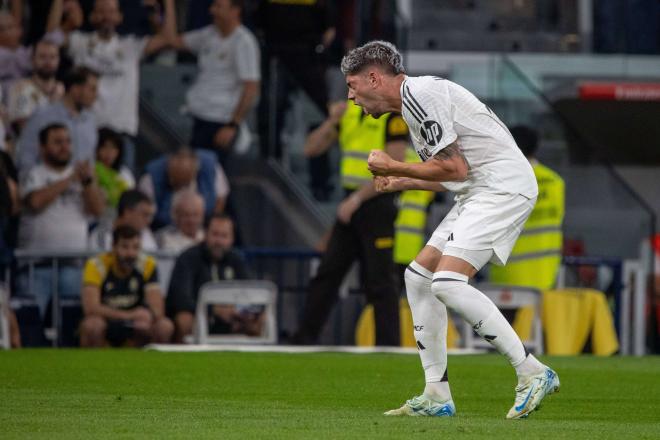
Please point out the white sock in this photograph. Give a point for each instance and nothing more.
(430, 330)
(480, 312)
(529, 367)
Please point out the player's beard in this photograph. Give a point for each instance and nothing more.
(45, 74)
(56, 161)
(126, 263)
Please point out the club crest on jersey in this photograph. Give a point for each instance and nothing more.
(431, 132)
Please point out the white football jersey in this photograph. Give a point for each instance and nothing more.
(440, 112)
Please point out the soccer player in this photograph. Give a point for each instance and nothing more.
(466, 149)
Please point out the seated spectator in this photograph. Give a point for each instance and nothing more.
(197, 170)
(116, 58)
(134, 209)
(122, 301)
(58, 197)
(14, 58)
(113, 177)
(73, 112)
(211, 260)
(229, 76)
(188, 221)
(29, 94)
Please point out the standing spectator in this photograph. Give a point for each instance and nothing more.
(211, 260)
(80, 87)
(14, 58)
(113, 177)
(536, 256)
(134, 209)
(196, 170)
(122, 301)
(227, 85)
(58, 197)
(364, 228)
(29, 94)
(116, 58)
(188, 221)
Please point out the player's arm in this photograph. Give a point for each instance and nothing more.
(154, 299)
(320, 139)
(167, 32)
(92, 305)
(39, 199)
(55, 16)
(448, 165)
(385, 184)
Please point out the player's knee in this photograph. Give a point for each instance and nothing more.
(93, 327)
(446, 285)
(184, 322)
(163, 330)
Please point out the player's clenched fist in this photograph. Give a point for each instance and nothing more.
(385, 184)
(378, 162)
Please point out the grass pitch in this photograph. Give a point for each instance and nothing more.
(136, 394)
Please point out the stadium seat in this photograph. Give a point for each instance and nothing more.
(239, 293)
(510, 298)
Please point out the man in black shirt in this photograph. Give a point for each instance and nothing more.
(211, 260)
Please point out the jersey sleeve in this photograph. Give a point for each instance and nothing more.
(428, 104)
(150, 272)
(396, 129)
(92, 276)
(247, 61)
(194, 40)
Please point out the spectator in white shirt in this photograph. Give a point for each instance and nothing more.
(188, 221)
(228, 81)
(58, 198)
(29, 94)
(116, 57)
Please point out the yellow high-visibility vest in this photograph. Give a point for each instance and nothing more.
(536, 256)
(411, 220)
(358, 135)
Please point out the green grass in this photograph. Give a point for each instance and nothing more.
(135, 394)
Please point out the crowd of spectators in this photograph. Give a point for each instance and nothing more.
(68, 177)
(69, 123)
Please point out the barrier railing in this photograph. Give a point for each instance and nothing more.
(291, 269)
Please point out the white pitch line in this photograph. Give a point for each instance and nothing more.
(297, 349)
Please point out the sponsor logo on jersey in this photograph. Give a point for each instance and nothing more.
(431, 132)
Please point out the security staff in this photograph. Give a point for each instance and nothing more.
(364, 227)
(536, 257)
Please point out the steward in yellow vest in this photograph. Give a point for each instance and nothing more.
(364, 227)
(536, 256)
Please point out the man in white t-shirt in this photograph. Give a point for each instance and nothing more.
(116, 57)
(228, 81)
(465, 149)
(58, 198)
(29, 94)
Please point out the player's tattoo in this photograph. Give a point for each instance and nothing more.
(449, 152)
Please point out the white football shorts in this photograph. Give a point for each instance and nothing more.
(482, 227)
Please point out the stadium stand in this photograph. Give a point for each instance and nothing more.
(529, 60)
